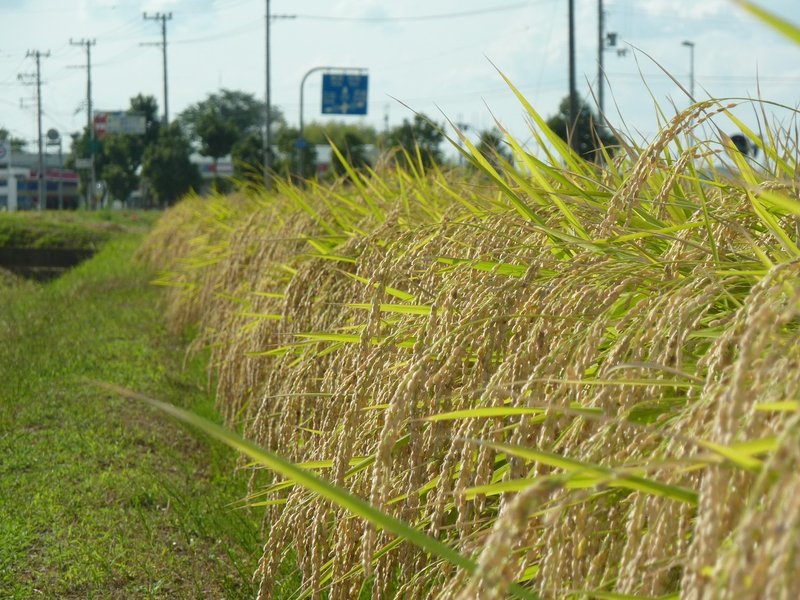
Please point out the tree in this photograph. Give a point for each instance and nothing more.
(232, 122)
(119, 181)
(420, 133)
(493, 148)
(354, 151)
(247, 156)
(117, 156)
(349, 138)
(147, 106)
(118, 165)
(241, 108)
(292, 153)
(587, 133)
(166, 166)
(336, 131)
(17, 144)
(217, 135)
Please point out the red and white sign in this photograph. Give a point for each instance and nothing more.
(100, 124)
(118, 122)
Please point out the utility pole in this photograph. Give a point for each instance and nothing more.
(573, 95)
(41, 178)
(268, 115)
(89, 121)
(268, 100)
(163, 17)
(601, 44)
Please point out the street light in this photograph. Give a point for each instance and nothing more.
(690, 45)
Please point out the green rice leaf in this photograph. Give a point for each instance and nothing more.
(403, 309)
(784, 406)
(777, 23)
(348, 338)
(616, 596)
(317, 485)
(404, 296)
(735, 455)
(503, 411)
(262, 316)
(487, 266)
(606, 476)
(335, 258)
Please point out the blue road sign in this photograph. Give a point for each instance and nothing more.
(344, 94)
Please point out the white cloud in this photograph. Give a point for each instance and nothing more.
(685, 9)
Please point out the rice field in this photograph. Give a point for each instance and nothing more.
(580, 381)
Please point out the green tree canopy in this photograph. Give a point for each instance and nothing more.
(588, 136)
(146, 106)
(117, 156)
(420, 133)
(354, 151)
(217, 135)
(492, 146)
(337, 131)
(241, 108)
(17, 144)
(166, 166)
(349, 138)
(247, 156)
(118, 164)
(294, 152)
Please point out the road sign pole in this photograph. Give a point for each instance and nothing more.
(301, 160)
(343, 70)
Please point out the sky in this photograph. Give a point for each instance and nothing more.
(439, 57)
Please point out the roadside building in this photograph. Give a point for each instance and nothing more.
(19, 183)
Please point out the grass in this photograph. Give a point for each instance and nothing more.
(70, 230)
(101, 498)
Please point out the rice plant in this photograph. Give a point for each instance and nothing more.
(578, 380)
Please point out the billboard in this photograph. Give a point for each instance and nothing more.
(118, 122)
(344, 94)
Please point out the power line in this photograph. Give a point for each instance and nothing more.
(433, 17)
(223, 34)
(124, 55)
(723, 78)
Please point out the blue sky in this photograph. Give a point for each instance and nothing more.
(435, 65)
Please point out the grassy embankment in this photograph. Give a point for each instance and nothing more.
(100, 498)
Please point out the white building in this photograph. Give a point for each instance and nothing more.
(19, 182)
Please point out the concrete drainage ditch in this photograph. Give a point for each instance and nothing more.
(41, 264)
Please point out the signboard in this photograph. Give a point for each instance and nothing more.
(118, 122)
(344, 94)
(83, 163)
(5, 150)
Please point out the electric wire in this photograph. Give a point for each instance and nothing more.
(431, 17)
